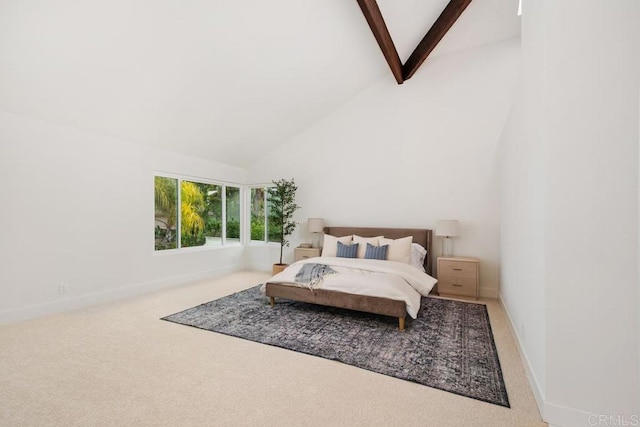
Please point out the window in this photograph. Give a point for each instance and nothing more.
(259, 218)
(233, 214)
(200, 219)
(166, 195)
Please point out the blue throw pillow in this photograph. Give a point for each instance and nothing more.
(347, 251)
(376, 252)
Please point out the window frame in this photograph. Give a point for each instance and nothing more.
(200, 180)
(241, 191)
(265, 241)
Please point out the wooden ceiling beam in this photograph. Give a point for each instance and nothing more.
(445, 21)
(380, 31)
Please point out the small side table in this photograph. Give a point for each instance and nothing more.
(304, 253)
(458, 277)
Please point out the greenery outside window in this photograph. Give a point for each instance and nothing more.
(259, 217)
(166, 209)
(233, 214)
(200, 219)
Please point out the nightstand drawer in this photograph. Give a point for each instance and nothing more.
(457, 269)
(304, 253)
(457, 285)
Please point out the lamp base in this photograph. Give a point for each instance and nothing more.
(447, 247)
(315, 240)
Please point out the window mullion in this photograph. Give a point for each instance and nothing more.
(266, 217)
(224, 214)
(179, 221)
(246, 216)
(241, 208)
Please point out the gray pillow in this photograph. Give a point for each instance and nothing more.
(376, 252)
(347, 251)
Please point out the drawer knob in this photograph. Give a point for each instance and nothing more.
(457, 269)
(455, 284)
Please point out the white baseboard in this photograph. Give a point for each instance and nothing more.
(554, 415)
(538, 393)
(81, 301)
(562, 416)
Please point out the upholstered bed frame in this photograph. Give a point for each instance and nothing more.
(367, 304)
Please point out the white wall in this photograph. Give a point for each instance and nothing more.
(592, 56)
(406, 156)
(522, 205)
(77, 208)
(584, 196)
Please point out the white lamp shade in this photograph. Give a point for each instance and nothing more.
(447, 228)
(315, 225)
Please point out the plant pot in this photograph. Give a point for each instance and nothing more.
(277, 268)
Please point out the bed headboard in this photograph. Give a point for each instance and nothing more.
(420, 236)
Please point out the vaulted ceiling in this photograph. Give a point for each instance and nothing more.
(226, 81)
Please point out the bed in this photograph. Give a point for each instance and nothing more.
(279, 286)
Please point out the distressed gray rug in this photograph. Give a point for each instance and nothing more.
(449, 346)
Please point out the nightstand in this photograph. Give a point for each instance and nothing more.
(458, 277)
(304, 253)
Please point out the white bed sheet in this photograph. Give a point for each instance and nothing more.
(376, 278)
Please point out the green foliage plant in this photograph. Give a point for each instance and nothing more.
(192, 210)
(282, 205)
(257, 228)
(166, 212)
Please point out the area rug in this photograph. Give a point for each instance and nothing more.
(449, 346)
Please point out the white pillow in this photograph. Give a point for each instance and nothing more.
(362, 249)
(418, 253)
(330, 245)
(399, 249)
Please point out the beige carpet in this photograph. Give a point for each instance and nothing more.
(117, 364)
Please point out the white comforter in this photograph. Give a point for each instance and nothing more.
(386, 279)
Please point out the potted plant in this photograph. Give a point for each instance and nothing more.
(281, 200)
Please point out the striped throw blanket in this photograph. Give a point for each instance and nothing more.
(311, 275)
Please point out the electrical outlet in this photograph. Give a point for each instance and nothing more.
(63, 288)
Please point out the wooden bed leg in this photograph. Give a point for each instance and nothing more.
(401, 323)
(272, 301)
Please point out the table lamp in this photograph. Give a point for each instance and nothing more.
(315, 226)
(448, 229)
